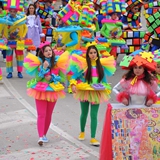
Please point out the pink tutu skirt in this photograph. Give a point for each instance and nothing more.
(47, 95)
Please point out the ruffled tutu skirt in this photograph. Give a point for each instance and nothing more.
(47, 95)
(92, 96)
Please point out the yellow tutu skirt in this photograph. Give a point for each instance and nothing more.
(94, 97)
(47, 95)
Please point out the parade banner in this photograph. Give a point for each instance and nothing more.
(135, 132)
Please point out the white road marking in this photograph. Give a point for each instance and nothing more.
(53, 127)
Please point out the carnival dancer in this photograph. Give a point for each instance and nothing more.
(34, 26)
(47, 86)
(16, 32)
(112, 25)
(137, 86)
(89, 85)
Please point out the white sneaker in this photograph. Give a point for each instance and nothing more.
(40, 141)
(45, 139)
(4, 60)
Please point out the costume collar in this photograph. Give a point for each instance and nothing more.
(93, 62)
(136, 78)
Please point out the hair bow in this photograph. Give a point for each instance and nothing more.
(46, 43)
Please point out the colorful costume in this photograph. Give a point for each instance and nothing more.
(45, 93)
(41, 89)
(93, 93)
(34, 29)
(15, 34)
(112, 28)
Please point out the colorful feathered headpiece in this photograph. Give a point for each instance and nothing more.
(139, 58)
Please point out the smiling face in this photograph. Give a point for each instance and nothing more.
(92, 54)
(158, 69)
(138, 70)
(48, 52)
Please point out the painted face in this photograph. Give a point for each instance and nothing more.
(114, 16)
(158, 69)
(47, 52)
(138, 70)
(31, 10)
(92, 54)
(13, 12)
(135, 9)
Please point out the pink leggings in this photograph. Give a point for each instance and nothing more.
(44, 112)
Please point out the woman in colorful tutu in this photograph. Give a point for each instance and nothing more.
(47, 86)
(89, 85)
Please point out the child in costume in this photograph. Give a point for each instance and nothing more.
(16, 32)
(46, 87)
(137, 86)
(34, 26)
(90, 87)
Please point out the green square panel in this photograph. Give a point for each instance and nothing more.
(154, 25)
(157, 15)
(151, 19)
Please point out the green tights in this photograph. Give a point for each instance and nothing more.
(93, 115)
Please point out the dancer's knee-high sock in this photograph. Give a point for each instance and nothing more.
(41, 116)
(94, 114)
(50, 107)
(84, 114)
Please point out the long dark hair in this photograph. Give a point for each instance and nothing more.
(41, 55)
(148, 77)
(99, 68)
(28, 13)
(1, 5)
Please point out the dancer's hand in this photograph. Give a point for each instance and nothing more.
(125, 101)
(48, 77)
(74, 90)
(149, 102)
(45, 65)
